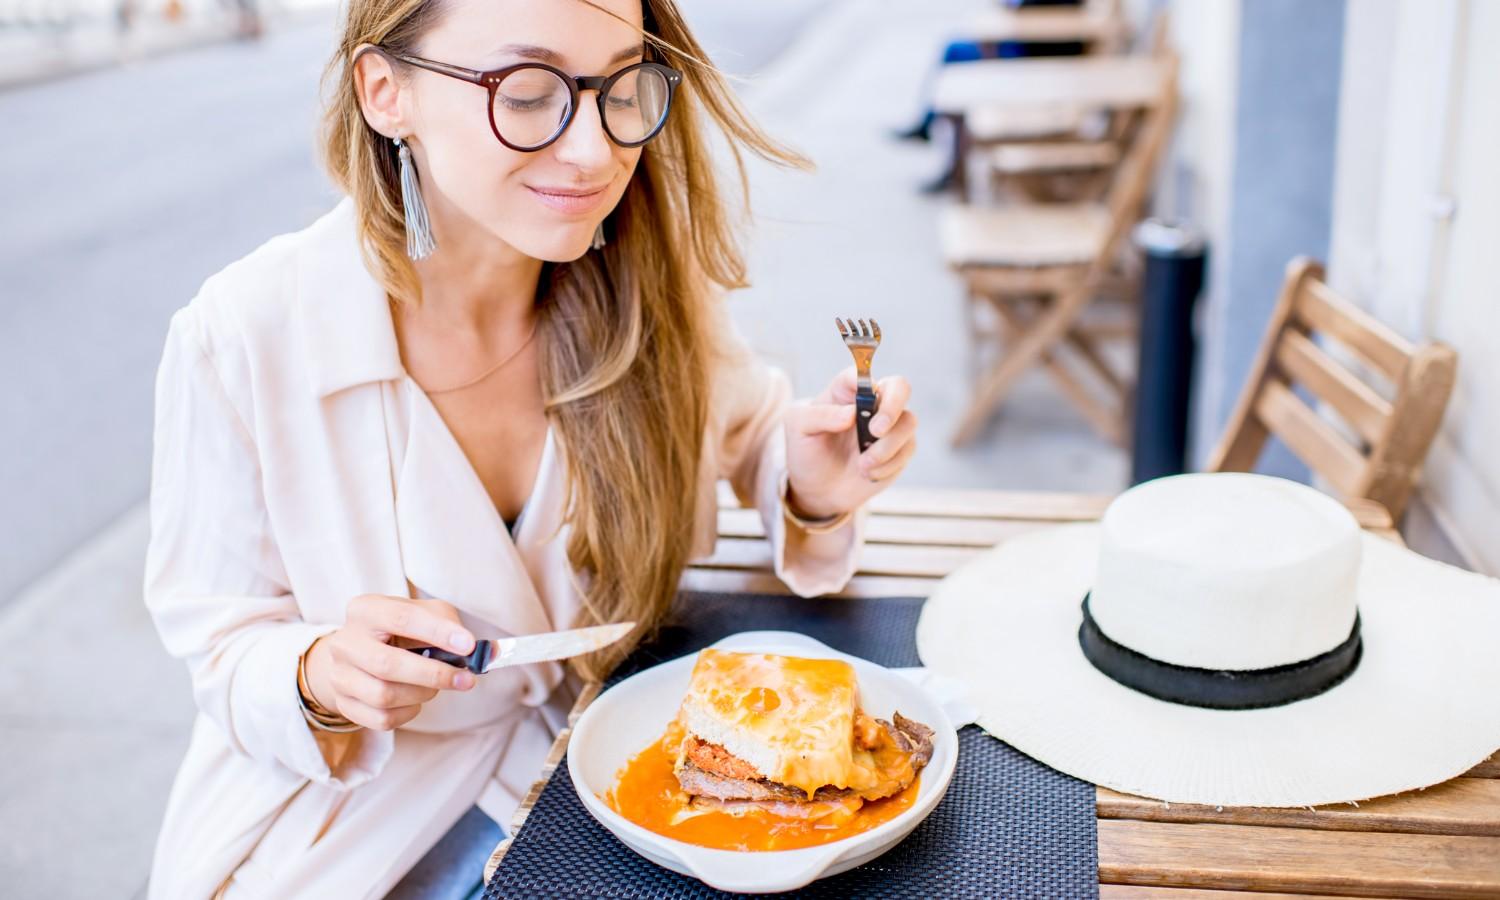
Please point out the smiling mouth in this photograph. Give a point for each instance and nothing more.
(552, 192)
(570, 202)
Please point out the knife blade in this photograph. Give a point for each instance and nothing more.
(489, 654)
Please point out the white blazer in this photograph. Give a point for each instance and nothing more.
(296, 465)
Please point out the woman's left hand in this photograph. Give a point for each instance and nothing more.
(826, 472)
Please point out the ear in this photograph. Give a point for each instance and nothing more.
(378, 91)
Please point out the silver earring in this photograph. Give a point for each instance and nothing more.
(419, 242)
(598, 237)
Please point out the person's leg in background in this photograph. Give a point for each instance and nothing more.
(454, 868)
(954, 52)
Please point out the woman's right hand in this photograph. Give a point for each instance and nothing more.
(362, 674)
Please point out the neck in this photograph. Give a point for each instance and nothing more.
(477, 283)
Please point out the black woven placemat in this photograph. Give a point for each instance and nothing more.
(1008, 826)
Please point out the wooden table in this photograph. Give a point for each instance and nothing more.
(1441, 842)
(1046, 26)
(1089, 82)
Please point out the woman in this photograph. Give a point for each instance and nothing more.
(515, 318)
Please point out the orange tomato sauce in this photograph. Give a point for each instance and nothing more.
(647, 793)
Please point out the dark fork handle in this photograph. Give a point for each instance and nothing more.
(866, 404)
(474, 661)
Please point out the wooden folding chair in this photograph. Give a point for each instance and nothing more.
(1379, 451)
(1101, 24)
(1055, 152)
(1040, 266)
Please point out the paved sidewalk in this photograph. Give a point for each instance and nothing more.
(37, 51)
(94, 715)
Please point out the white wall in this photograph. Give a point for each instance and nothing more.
(1199, 178)
(1416, 217)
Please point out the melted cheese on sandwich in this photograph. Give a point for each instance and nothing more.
(790, 719)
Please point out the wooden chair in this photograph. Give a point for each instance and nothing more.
(1054, 152)
(1101, 24)
(1379, 451)
(1040, 267)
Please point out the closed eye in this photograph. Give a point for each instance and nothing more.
(521, 104)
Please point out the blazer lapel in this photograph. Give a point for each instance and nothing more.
(454, 545)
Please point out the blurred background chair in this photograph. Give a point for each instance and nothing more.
(1376, 447)
(1041, 266)
(1008, 151)
(1022, 30)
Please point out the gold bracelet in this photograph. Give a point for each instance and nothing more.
(316, 714)
(811, 526)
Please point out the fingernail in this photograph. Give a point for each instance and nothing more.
(460, 642)
(880, 423)
(463, 681)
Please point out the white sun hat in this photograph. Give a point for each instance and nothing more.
(1225, 639)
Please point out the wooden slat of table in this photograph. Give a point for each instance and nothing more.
(734, 581)
(1463, 806)
(1429, 843)
(754, 554)
(1298, 860)
(1038, 506)
(1044, 25)
(1490, 768)
(1140, 892)
(980, 522)
(1091, 82)
(900, 529)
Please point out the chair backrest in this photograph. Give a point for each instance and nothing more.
(1391, 429)
(1137, 170)
(1118, 37)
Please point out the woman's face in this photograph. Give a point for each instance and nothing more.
(477, 183)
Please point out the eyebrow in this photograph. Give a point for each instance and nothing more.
(552, 57)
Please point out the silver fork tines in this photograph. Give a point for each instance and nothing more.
(862, 338)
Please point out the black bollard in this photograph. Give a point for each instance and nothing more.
(1175, 256)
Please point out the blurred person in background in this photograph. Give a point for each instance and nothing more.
(490, 392)
(249, 24)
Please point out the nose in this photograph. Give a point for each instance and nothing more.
(584, 144)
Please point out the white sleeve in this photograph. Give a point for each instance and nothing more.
(215, 584)
(753, 458)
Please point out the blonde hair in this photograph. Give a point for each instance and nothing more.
(626, 332)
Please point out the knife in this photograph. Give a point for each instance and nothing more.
(531, 648)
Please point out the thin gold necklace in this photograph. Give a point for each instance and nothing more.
(490, 371)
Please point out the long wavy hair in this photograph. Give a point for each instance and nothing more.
(627, 342)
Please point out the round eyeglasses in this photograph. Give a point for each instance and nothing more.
(531, 104)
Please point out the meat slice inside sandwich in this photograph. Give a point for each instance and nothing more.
(787, 735)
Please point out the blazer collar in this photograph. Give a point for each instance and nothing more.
(341, 308)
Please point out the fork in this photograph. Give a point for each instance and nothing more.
(862, 338)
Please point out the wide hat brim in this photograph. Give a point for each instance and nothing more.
(1420, 708)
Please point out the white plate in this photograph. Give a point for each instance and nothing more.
(631, 715)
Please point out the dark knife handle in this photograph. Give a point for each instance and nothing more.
(475, 661)
(865, 404)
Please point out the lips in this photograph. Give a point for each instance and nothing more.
(569, 200)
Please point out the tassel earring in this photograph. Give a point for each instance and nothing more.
(598, 237)
(419, 242)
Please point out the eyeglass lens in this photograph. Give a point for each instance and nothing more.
(531, 105)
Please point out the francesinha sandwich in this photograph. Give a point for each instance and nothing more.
(786, 735)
